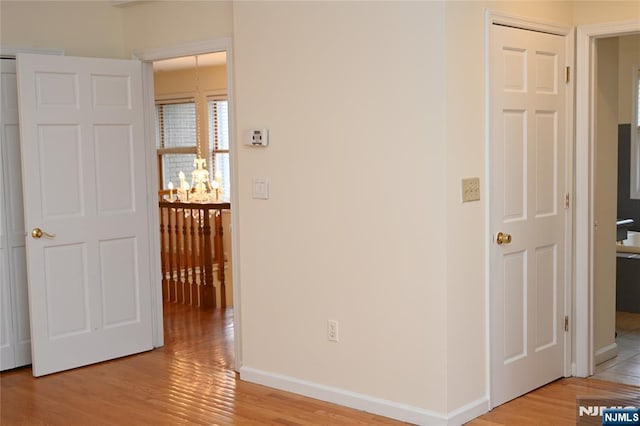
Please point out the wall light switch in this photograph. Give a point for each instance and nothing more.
(260, 190)
(470, 189)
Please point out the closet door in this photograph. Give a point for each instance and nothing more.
(83, 139)
(15, 339)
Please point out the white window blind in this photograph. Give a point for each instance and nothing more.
(176, 125)
(175, 138)
(218, 117)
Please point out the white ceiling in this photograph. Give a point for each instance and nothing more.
(209, 59)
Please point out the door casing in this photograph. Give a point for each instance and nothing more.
(491, 18)
(148, 56)
(584, 186)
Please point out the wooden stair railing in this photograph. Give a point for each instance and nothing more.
(191, 252)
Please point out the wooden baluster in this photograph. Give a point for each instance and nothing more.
(171, 218)
(207, 292)
(199, 257)
(184, 298)
(163, 255)
(193, 284)
(219, 254)
(176, 253)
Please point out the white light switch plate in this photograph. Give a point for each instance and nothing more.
(470, 189)
(260, 189)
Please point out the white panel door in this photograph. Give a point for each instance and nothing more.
(81, 121)
(527, 186)
(15, 339)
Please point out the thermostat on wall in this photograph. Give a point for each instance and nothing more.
(258, 137)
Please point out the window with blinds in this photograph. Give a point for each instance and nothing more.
(218, 117)
(175, 138)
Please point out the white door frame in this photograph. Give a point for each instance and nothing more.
(148, 56)
(494, 17)
(584, 184)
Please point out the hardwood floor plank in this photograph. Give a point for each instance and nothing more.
(555, 403)
(190, 381)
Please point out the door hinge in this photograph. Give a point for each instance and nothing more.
(566, 200)
(566, 323)
(567, 74)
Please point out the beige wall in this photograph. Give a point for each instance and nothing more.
(168, 83)
(629, 55)
(605, 203)
(354, 227)
(376, 111)
(81, 28)
(151, 24)
(594, 12)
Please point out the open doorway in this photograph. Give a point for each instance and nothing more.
(616, 213)
(587, 123)
(149, 56)
(193, 168)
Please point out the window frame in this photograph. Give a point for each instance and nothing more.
(210, 144)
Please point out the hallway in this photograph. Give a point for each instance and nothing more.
(625, 368)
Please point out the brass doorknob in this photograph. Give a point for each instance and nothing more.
(502, 238)
(39, 233)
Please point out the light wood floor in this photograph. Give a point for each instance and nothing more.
(191, 381)
(625, 367)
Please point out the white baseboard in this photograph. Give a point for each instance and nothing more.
(468, 412)
(382, 407)
(606, 353)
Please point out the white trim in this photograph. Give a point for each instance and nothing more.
(153, 221)
(358, 401)
(381, 407)
(606, 353)
(489, 17)
(468, 412)
(499, 18)
(570, 192)
(585, 39)
(195, 48)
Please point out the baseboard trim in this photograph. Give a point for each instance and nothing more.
(468, 412)
(381, 407)
(606, 353)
